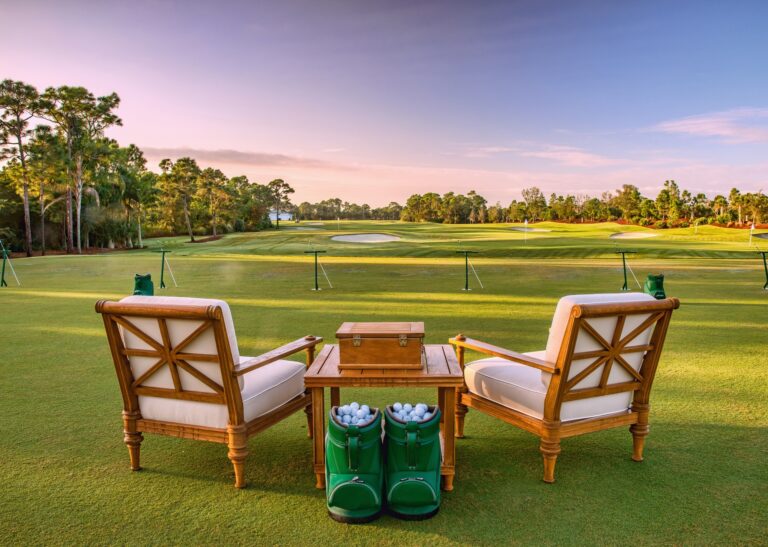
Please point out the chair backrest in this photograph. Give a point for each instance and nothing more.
(607, 347)
(174, 348)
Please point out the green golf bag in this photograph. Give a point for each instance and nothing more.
(654, 285)
(354, 474)
(413, 466)
(142, 285)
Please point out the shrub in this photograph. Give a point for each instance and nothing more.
(239, 225)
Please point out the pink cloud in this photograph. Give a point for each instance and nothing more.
(572, 157)
(735, 126)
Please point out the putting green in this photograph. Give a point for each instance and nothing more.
(65, 469)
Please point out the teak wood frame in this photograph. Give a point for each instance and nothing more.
(236, 434)
(561, 389)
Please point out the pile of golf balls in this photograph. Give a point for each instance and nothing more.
(411, 413)
(354, 414)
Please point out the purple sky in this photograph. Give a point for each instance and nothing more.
(373, 101)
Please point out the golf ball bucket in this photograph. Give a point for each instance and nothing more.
(354, 474)
(412, 454)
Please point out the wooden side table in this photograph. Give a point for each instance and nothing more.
(441, 370)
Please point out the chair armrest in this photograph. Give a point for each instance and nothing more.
(496, 351)
(277, 354)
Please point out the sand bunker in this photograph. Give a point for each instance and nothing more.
(366, 238)
(531, 229)
(632, 235)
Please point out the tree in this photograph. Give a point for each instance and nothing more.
(18, 104)
(535, 202)
(181, 178)
(628, 201)
(81, 118)
(138, 184)
(46, 166)
(212, 188)
(736, 202)
(280, 191)
(720, 205)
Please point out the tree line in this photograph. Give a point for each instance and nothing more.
(671, 208)
(87, 190)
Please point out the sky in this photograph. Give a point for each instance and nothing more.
(372, 101)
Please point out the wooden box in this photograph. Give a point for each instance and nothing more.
(381, 345)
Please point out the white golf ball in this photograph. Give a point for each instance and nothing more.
(359, 414)
(366, 409)
(346, 410)
(347, 418)
(354, 405)
(397, 407)
(419, 412)
(427, 416)
(407, 407)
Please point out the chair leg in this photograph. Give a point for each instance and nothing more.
(461, 412)
(238, 450)
(132, 438)
(549, 450)
(308, 412)
(639, 430)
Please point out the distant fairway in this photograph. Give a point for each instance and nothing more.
(65, 469)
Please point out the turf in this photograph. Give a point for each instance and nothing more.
(65, 472)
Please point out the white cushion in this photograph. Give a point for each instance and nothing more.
(510, 384)
(563, 314)
(264, 390)
(188, 301)
(524, 388)
(519, 387)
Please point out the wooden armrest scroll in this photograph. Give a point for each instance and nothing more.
(496, 351)
(277, 354)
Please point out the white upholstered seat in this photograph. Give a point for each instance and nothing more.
(523, 388)
(262, 390)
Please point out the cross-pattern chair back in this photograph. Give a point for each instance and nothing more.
(174, 348)
(606, 347)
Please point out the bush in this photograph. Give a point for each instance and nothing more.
(684, 224)
(660, 224)
(239, 225)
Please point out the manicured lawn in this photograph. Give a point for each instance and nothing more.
(64, 468)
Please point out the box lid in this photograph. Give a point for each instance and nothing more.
(413, 329)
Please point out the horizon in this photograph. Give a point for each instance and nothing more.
(371, 104)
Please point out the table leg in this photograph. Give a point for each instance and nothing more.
(318, 435)
(448, 470)
(335, 396)
(441, 405)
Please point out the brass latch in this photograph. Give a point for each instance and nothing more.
(357, 340)
(403, 340)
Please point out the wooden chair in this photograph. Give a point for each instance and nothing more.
(595, 374)
(181, 374)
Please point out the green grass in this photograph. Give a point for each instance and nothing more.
(64, 469)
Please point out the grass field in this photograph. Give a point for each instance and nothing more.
(64, 468)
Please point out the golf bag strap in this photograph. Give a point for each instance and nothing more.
(353, 448)
(411, 443)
